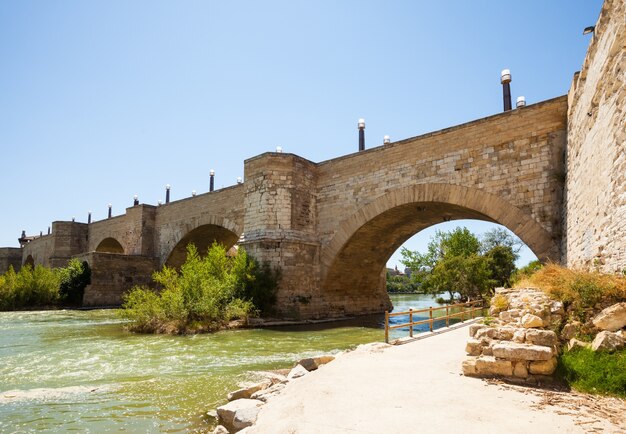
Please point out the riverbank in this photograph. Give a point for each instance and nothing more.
(419, 387)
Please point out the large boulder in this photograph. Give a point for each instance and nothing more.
(473, 347)
(238, 414)
(516, 351)
(612, 318)
(607, 341)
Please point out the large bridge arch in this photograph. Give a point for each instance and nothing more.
(356, 255)
(201, 232)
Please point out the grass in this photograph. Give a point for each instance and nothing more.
(595, 372)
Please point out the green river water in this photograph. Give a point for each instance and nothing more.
(80, 371)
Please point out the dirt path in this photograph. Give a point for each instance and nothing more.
(418, 388)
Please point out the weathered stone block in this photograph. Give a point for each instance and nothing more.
(546, 338)
(488, 365)
(607, 341)
(515, 351)
(544, 367)
(529, 321)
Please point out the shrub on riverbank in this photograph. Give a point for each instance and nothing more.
(39, 286)
(578, 290)
(206, 294)
(595, 372)
(29, 287)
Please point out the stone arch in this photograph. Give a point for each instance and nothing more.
(202, 232)
(110, 245)
(29, 261)
(356, 255)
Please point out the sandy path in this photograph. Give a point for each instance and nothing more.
(418, 388)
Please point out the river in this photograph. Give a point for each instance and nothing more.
(79, 370)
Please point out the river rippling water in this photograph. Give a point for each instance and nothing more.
(80, 371)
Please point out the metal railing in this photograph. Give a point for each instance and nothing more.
(474, 306)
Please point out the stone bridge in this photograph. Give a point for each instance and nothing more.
(552, 172)
(331, 226)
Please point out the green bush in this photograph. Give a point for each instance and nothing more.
(38, 286)
(595, 372)
(74, 278)
(206, 293)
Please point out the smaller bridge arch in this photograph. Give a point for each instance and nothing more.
(110, 245)
(202, 232)
(29, 261)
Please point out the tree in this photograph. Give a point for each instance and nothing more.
(460, 264)
(452, 263)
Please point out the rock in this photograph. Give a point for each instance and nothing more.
(622, 333)
(212, 413)
(544, 367)
(486, 333)
(473, 347)
(612, 318)
(515, 313)
(570, 330)
(505, 333)
(247, 392)
(469, 367)
(312, 363)
(556, 308)
(575, 343)
(520, 370)
(297, 372)
(489, 365)
(228, 413)
(245, 417)
(519, 336)
(220, 429)
(265, 394)
(607, 341)
(488, 350)
(515, 351)
(505, 316)
(530, 321)
(473, 328)
(546, 338)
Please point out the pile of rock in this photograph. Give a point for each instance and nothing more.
(611, 323)
(516, 345)
(244, 404)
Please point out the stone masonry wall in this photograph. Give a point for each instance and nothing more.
(281, 227)
(10, 256)
(595, 208)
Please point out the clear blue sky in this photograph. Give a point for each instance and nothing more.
(102, 100)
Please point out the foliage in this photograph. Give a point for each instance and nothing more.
(501, 262)
(595, 372)
(38, 286)
(500, 237)
(206, 293)
(500, 302)
(526, 271)
(73, 280)
(578, 290)
(401, 284)
(458, 263)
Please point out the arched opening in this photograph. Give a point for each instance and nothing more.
(354, 261)
(202, 236)
(30, 261)
(110, 245)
